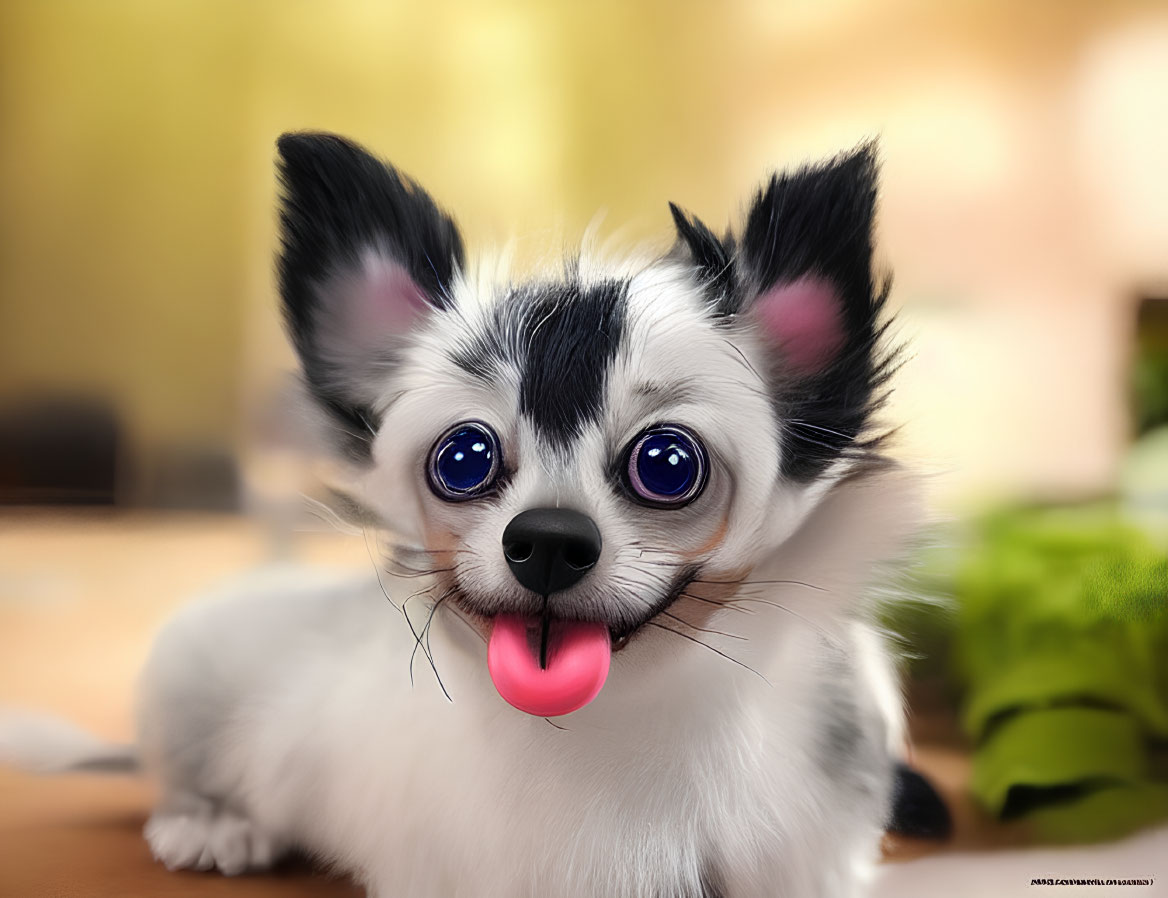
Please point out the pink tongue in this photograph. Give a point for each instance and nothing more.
(578, 654)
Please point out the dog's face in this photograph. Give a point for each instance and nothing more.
(584, 447)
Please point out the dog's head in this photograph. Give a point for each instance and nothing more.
(585, 447)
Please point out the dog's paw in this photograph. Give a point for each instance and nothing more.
(207, 840)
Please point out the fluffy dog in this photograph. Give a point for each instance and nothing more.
(635, 509)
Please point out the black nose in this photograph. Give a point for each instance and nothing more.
(550, 549)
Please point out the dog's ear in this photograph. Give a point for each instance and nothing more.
(712, 260)
(800, 275)
(366, 255)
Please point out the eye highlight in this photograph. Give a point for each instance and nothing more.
(666, 467)
(464, 462)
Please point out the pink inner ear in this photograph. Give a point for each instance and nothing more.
(803, 318)
(386, 300)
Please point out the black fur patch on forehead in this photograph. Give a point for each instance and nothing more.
(562, 338)
(571, 338)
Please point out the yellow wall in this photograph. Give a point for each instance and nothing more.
(1022, 207)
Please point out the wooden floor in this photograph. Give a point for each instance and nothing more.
(81, 594)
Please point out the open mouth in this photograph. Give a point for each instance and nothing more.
(548, 666)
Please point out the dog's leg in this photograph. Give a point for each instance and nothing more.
(193, 833)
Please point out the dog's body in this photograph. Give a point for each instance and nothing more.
(282, 714)
(691, 435)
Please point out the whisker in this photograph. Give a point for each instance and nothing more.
(427, 630)
(702, 629)
(426, 634)
(763, 583)
(421, 592)
(715, 602)
(414, 573)
(377, 570)
(823, 631)
(694, 639)
(745, 360)
(416, 549)
(409, 623)
(429, 657)
(835, 433)
(328, 515)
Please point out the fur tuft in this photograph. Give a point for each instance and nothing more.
(39, 743)
(918, 811)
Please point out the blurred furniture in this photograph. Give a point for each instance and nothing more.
(59, 451)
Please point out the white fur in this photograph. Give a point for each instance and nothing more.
(746, 753)
(291, 698)
(42, 744)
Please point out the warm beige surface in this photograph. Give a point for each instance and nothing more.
(80, 596)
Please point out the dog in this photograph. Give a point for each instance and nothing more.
(637, 511)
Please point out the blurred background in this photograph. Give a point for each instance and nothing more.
(1024, 212)
(1024, 207)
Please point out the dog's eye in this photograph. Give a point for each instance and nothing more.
(666, 466)
(465, 461)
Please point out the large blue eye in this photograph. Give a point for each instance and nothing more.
(667, 466)
(465, 461)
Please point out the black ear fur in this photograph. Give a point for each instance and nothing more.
(712, 258)
(337, 201)
(815, 221)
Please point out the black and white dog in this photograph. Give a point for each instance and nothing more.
(646, 503)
